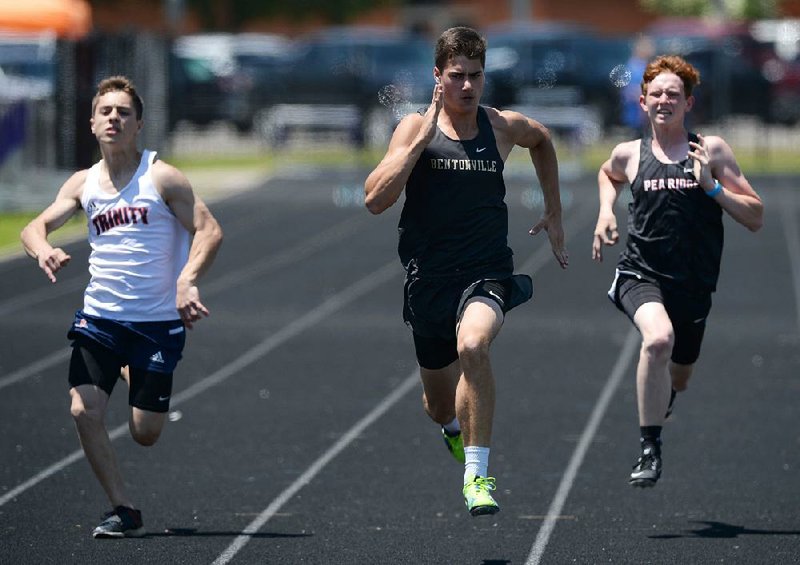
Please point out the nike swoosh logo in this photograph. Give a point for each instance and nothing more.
(479, 150)
(690, 170)
(163, 398)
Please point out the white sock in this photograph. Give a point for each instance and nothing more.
(453, 428)
(477, 462)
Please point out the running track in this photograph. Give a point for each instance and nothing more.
(297, 433)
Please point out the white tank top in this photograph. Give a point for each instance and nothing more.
(138, 249)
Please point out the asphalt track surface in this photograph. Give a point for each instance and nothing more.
(297, 433)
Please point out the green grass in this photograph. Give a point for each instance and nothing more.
(10, 226)
(11, 223)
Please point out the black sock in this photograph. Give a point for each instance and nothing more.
(650, 436)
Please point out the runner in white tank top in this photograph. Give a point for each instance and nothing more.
(133, 272)
(142, 214)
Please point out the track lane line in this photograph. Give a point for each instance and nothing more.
(567, 480)
(792, 234)
(409, 383)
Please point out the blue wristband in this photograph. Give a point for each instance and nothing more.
(716, 190)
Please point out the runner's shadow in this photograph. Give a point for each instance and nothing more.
(194, 532)
(721, 530)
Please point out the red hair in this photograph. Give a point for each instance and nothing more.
(675, 65)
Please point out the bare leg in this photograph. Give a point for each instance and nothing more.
(475, 395)
(146, 426)
(652, 377)
(680, 375)
(88, 409)
(439, 392)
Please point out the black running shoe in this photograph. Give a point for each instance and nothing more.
(122, 522)
(671, 402)
(647, 469)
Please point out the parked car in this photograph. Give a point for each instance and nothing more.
(215, 76)
(27, 66)
(554, 65)
(202, 74)
(736, 71)
(257, 58)
(357, 79)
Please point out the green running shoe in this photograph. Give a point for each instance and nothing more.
(477, 496)
(455, 444)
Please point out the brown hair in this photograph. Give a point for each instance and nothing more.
(672, 64)
(119, 83)
(457, 41)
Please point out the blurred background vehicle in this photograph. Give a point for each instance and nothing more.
(360, 80)
(560, 74)
(737, 72)
(27, 65)
(257, 60)
(202, 76)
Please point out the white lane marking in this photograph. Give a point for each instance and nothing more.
(37, 367)
(792, 234)
(253, 527)
(623, 362)
(301, 324)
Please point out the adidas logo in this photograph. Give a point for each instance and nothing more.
(157, 358)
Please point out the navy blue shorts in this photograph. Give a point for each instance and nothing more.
(687, 312)
(434, 306)
(151, 346)
(151, 350)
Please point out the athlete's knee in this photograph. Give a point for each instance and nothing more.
(473, 349)
(86, 410)
(658, 345)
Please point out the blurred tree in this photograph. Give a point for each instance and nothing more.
(735, 9)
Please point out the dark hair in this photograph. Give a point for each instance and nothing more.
(675, 65)
(119, 83)
(457, 41)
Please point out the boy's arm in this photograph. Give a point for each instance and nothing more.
(610, 180)
(535, 137)
(34, 235)
(714, 159)
(195, 216)
(385, 184)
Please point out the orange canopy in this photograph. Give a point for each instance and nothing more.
(67, 18)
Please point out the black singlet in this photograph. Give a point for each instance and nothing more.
(454, 219)
(675, 232)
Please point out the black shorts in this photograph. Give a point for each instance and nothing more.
(433, 307)
(687, 312)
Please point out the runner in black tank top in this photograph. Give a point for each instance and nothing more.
(453, 244)
(674, 230)
(454, 220)
(681, 183)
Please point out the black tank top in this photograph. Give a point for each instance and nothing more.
(454, 219)
(675, 231)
